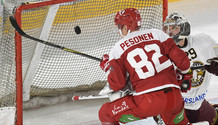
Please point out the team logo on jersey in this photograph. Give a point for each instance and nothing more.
(198, 74)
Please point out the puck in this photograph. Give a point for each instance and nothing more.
(77, 29)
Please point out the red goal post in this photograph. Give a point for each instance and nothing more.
(92, 16)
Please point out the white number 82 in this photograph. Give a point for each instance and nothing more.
(145, 62)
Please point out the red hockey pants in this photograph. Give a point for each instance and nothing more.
(167, 102)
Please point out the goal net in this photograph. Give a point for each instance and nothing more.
(46, 71)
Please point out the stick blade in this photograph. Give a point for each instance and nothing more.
(16, 26)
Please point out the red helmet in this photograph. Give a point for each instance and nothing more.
(129, 17)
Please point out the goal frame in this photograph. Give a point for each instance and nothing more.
(18, 50)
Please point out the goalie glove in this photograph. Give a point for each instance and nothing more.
(184, 81)
(213, 67)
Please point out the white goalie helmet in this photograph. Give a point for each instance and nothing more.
(178, 21)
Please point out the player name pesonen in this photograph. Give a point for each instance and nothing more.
(132, 41)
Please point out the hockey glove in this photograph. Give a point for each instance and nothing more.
(104, 64)
(184, 81)
(213, 67)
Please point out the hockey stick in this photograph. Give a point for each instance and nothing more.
(197, 67)
(22, 33)
(75, 98)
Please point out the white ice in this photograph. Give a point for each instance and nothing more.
(203, 15)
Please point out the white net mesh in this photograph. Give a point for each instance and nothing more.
(48, 71)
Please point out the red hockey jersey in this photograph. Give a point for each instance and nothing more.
(147, 58)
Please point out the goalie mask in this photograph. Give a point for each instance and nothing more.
(177, 26)
(129, 17)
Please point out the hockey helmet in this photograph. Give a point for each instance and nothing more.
(129, 17)
(175, 19)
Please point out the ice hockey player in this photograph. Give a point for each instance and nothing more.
(145, 57)
(199, 49)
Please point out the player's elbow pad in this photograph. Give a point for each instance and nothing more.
(116, 78)
(116, 81)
